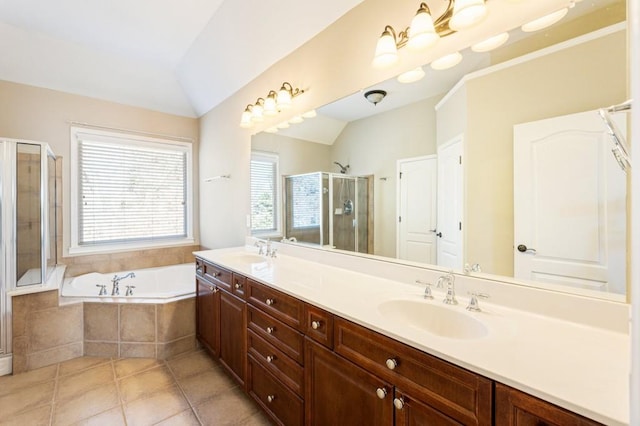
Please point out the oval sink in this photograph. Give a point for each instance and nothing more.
(439, 320)
(248, 258)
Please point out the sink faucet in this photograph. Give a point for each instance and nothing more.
(115, 291)
(450, 298)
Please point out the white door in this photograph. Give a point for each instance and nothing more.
(450, 204)
(569, 204)
(417, 209)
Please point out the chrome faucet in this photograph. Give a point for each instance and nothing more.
(450, 298)
(115, 291)
(260, 244)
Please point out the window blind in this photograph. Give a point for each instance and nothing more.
(264, 193)
(130, 192)
(306, 201)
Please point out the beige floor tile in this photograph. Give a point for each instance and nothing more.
(205, 385)
(79, 364)
(36, 417)
(9, 384)
(257, 419)
(128, 366)
(112, 417)
(145, 383)
(228, 408)
(186, 418)
(191, 364)
(156, 407)
(27, 398)
(85, 405)
(76, 384)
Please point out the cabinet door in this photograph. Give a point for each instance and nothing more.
(338, 392)
(515, 408)
(208, 316)
(233, 328)
(410, 412)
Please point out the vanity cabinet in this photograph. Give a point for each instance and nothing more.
(233, 349)
(207, 314)
(516, 408)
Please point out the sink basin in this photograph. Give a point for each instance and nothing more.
(439, 320)
(248, 258)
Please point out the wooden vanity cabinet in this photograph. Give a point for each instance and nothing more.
(233, 326)
(516, 408)
(207, 316)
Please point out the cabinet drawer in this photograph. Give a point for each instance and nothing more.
(458, 393)
(284, 406)
(277, 304)
(217, 275)
(239, 282)
(277, 333)
(275, 361)
(318, 325)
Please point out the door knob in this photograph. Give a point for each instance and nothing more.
(523, 249)
(439, 234)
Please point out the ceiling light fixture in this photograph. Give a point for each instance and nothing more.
(375, 96)
(269, 106)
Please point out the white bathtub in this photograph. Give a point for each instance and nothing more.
(152, 284)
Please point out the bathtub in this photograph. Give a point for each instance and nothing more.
(151, 285)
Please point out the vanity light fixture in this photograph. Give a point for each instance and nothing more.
(491, 43)
(425, 31)
(375, 96)
(269, 106)
(545, 21)
(411, 76)
(447, 61)
(310, 114)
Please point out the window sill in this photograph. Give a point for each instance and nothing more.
(119, 248)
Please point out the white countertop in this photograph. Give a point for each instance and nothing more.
(582, 368)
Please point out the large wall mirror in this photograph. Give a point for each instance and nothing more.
(534, 98)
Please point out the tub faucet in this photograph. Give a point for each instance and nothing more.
(115, 291)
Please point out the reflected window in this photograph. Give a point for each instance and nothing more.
(265, 196)
(305, 201)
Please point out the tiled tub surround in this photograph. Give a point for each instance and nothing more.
(547, 344)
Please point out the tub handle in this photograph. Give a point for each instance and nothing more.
(103, 289)
(129, 291)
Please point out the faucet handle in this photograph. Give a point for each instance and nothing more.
(473, 302)
(103, 289)
(427, 290)
(129, 291)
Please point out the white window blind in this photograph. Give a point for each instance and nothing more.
(130, 191)
(264, 193)
(306, 201)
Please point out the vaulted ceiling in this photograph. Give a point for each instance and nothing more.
(178, 57)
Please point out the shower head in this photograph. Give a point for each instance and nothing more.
(343, 169)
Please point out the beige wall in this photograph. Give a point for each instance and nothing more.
(582, 78)
(43, 115)
(296, 156)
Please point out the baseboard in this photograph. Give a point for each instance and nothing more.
(6, 365)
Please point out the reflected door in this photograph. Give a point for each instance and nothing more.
(569, 204)
(450, 204)
(417, 209)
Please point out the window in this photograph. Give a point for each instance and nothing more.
(305, 198)
(128, 191)
(265, 194)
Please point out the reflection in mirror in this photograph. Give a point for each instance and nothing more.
(29, 214)
(471, 113)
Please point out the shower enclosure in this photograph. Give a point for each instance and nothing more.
(27, 222)
(331, 210)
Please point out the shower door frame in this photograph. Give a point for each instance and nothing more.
(4, 308)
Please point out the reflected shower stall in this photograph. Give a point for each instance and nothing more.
(329, 209)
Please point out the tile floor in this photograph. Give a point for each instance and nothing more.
(190, 389)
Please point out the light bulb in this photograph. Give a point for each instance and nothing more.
(491, 43)
(447, 61)
(256, 112)
(467, 13)
(545, 21)
(422, 33)
(284, 98)
(270, 107)
(386, 50)
(245, 120)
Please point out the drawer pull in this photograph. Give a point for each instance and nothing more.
(399, 403)
(216, 274)
(270, 330)
(391, 363)
(270, 358)
(270, 398)
(381, 392)
(213, 289)
(270, 302)
(199, 269)
(238, 286)
(316, 324)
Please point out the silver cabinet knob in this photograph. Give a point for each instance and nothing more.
(398, 403)
(271, 398)
(391, 363)
(381, 392)
(270, 358)
(270, 330)
(316, 324)
(270, 302)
